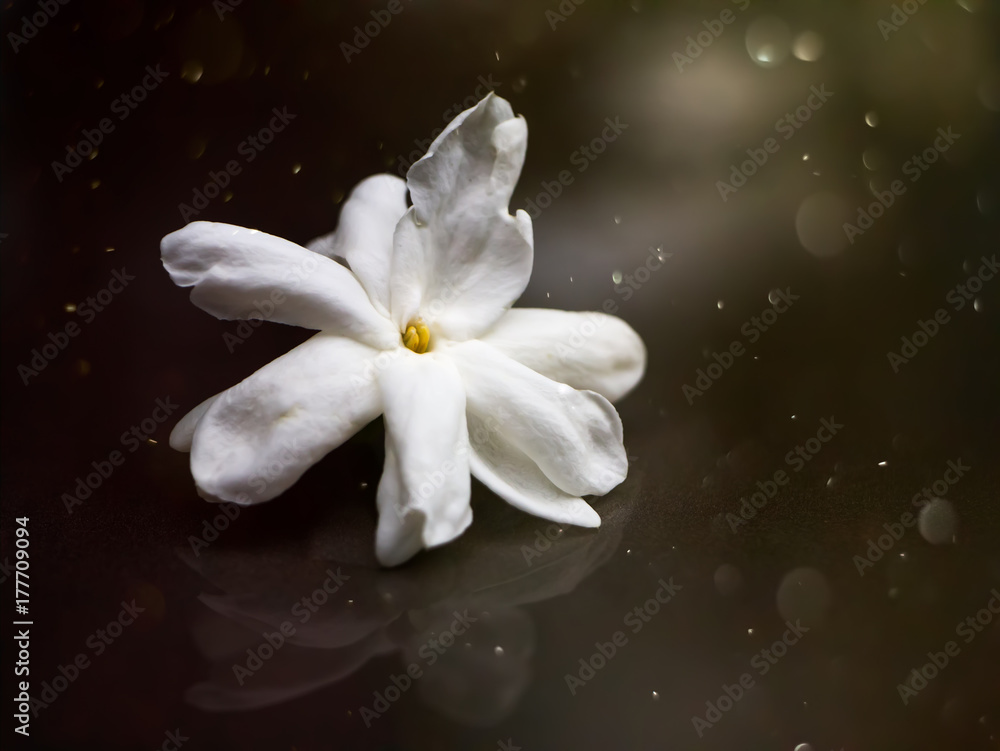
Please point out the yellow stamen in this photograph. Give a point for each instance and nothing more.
(411, 338)
(416, 337)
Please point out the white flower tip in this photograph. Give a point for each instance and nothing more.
(181, 437)
(444, 529)
(510, 135)
(214, 490)
(184, 252)
(380, 189)
(526, 228)
(586, 517)
(171, 242)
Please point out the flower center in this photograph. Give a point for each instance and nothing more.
(416, 337)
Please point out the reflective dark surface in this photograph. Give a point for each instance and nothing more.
(798, 620)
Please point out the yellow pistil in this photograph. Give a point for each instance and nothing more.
(416, 337)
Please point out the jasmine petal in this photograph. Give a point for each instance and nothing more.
(590, 351)
(512, 475)
(258, 438)
(364, 234)
(423, 497)
(461, 260)
(575, 437)
(236, 272)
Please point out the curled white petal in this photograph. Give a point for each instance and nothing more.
(591, 351)
(238, 273)
(364, 234)
(512, 475)
(259, 437)
(460, 258)
(575, 437)
(183, 432)
(423, 497)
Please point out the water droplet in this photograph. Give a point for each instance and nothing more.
(728, 579)
(618, 219)
(977, 305)
(749, 632)
(768, 41)
(628, 552)
(883, 464)
(497, 53)
(938, 522)
(498, 651)
(872, 159)
(656, 696)
(721, 304)
(192, 71)
(805, 157)
(795, 417)
(803, 747)
(616, 276)
(808, 46)
(69, 307)
(871, 118)
(296, 168)
(197, 146)
(989, 90)
(520, 84)
(893, 593)
(804, 593)
(774, 296)
(819, 224)
(987, 201)
(364, 485)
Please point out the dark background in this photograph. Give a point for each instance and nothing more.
(692, 464)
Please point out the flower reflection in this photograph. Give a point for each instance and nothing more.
(284, 622)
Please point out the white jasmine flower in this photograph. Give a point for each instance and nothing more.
(412, 306)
